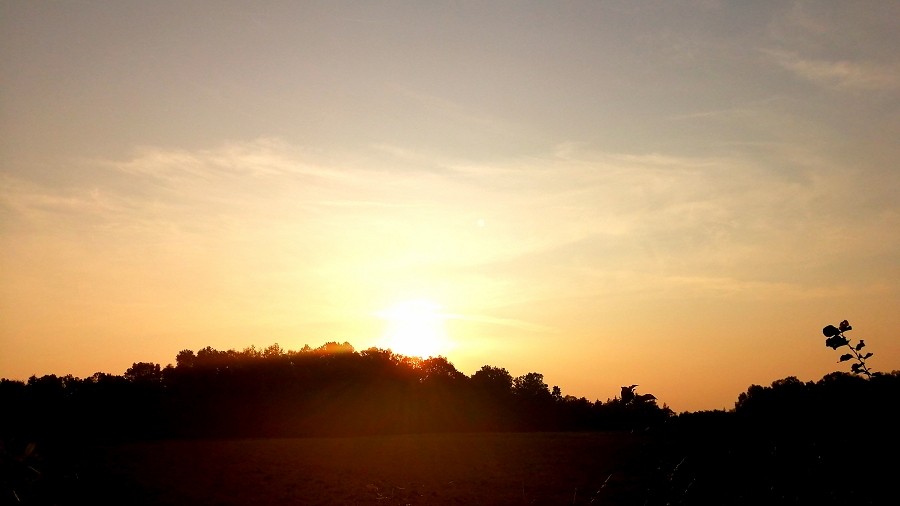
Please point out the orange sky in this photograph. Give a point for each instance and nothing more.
(678, 195)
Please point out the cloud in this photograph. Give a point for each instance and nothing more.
(260, 158)
(569, 221)
(374, 204)
(840, 74)
(35, 206)
(504, 322)
(162, 195)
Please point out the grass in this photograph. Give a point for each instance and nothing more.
(440, 469)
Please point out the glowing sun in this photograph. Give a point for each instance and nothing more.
(415, 328)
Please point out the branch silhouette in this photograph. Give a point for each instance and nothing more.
(835, 339)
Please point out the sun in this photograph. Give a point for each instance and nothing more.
(415, 328)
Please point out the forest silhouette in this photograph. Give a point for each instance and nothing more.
(331, 390)
(791, 442)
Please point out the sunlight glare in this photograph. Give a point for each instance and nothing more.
(415, 328)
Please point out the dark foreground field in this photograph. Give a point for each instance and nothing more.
(655, 468)
(533, 468)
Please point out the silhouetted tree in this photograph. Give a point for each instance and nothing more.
(331, 389)
(144, 372)
(185, 359)
(531, 386)
(496, 381)
(439, 369)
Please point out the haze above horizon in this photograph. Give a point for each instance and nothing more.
(674, 194)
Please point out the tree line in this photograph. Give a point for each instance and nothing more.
(336, 390)
(828, 442)
(831, 441)
(326, 391)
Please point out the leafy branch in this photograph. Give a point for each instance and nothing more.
(835, 339)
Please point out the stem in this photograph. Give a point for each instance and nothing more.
(865, 370)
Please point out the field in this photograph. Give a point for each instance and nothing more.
(441, 469)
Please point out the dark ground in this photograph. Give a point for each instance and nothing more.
(533, 468)
(441, 469)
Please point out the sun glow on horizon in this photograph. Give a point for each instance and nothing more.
(415, 328)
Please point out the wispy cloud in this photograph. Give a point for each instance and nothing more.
(505, 322)
(38, 203)
(260, 158)
(367, 204)
(574, 219)
(839, 74)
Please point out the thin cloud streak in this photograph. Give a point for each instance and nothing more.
(504, 322)
(367, 204)
(261, 158)
(840, 75)
(532, 205)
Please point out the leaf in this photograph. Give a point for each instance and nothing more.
(867, 355)
(855, 367)
(830, 331)
(861, 345)
(845, 326)
(845, 357)
(835, 342)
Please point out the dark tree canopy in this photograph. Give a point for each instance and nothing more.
(329, 390)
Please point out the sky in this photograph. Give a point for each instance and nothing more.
(674, 194)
